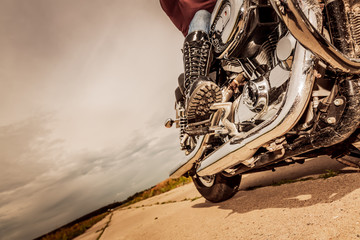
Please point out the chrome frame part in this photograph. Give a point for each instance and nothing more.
(302, 29)
(228, 27)
(202, 144)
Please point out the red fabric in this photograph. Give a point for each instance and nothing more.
(181, 12)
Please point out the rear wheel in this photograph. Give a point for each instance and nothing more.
(217, 188)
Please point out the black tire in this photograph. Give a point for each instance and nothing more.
(217, 188)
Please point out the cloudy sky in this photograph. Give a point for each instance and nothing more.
(85, 88)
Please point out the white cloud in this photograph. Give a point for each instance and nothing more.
(80, 182)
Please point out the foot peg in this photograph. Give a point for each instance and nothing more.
(229, 127)
(169, 122)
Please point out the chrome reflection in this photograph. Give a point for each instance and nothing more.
(301, 28)
(243, 146)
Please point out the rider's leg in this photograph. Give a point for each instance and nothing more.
(200, 91)
(200, 22)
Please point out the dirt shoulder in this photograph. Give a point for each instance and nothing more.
(314, 209)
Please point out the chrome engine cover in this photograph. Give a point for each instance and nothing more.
(236, 24)
(224, 21)
(256, 95)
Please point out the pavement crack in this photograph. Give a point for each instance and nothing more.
(104, 228)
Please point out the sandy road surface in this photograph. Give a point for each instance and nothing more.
(313, 209)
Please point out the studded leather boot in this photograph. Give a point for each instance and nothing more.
(200, 91)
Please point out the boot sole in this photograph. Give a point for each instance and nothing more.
(201, 99)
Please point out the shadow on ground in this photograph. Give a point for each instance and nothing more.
(294, 195)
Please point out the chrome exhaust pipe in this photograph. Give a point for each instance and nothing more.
(301, 28)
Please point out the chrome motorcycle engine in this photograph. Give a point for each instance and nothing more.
(240, 27)
(251, 67)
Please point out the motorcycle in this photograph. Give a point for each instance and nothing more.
(289, 77)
